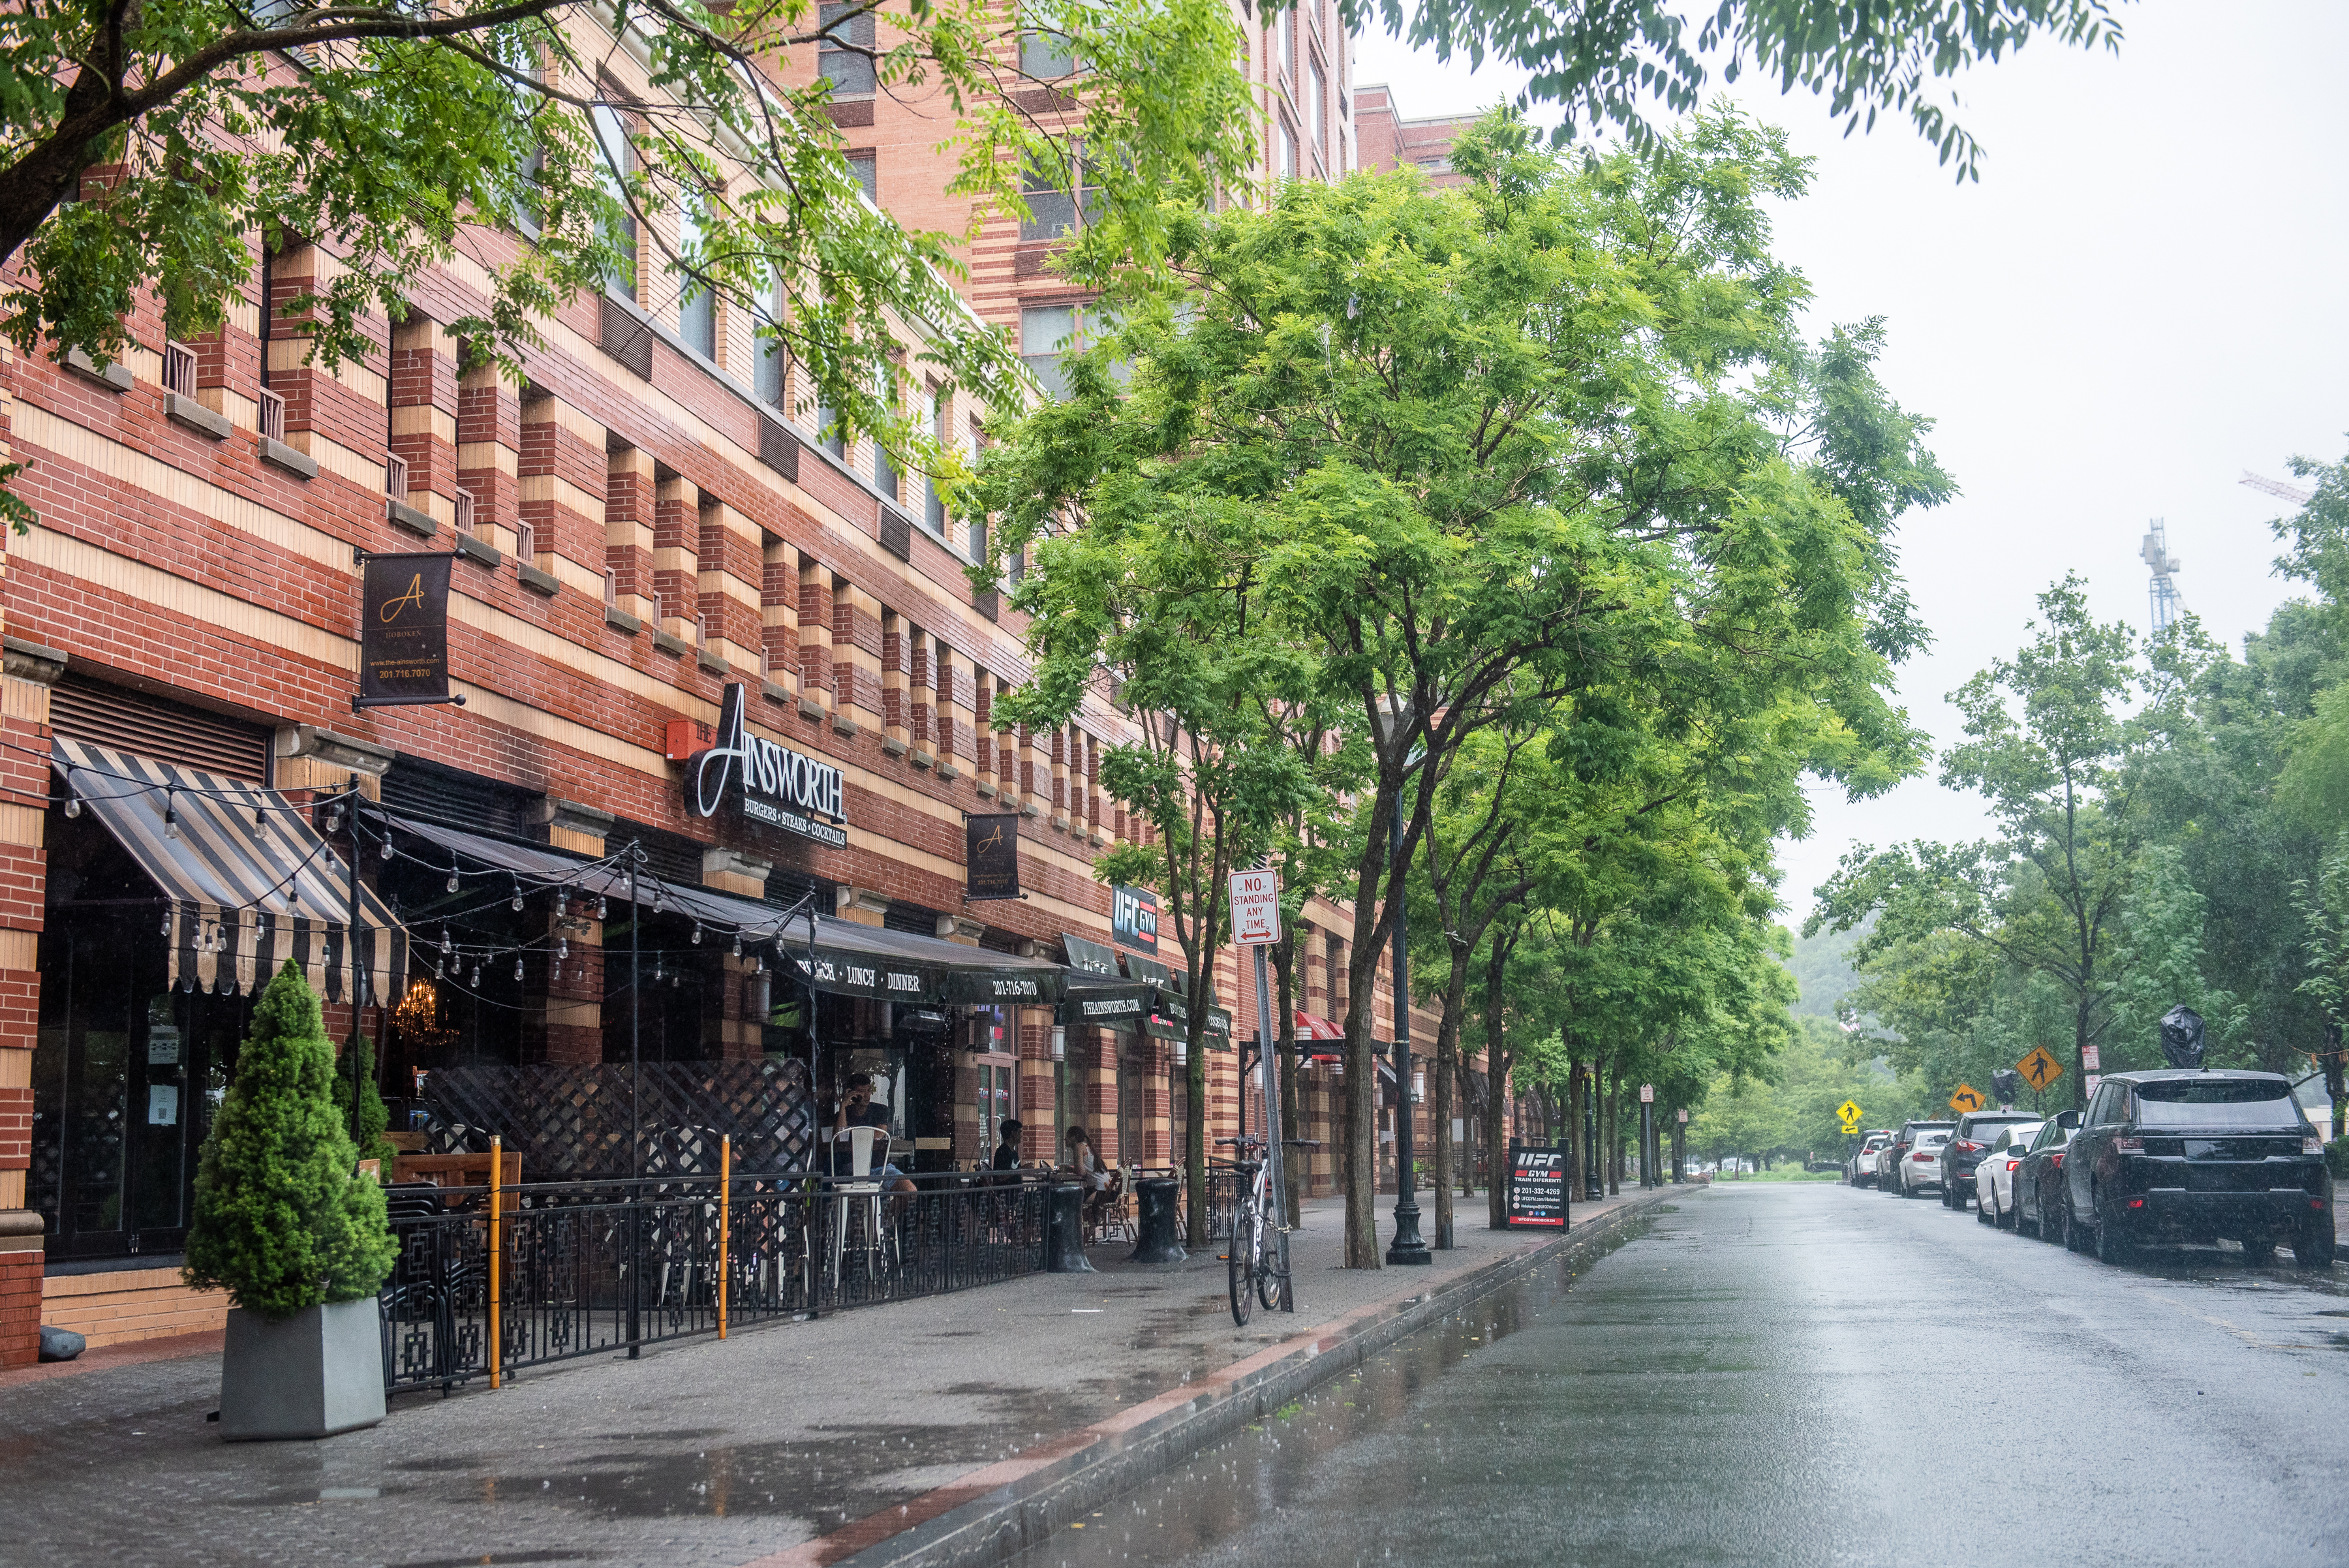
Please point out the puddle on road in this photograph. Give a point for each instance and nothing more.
(1209, 1500)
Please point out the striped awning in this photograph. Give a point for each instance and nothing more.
(249, 882)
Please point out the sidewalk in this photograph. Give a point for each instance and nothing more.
(706, 1452)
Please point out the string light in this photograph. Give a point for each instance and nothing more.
(517, 895)
(167, 922)
(738, 944)
(452, 878)
(444, 938)
(697, 934)
(600, 909)
(477, 975)
(385, 853)
(73, 803)
(562, 947)
(517, 966)
(171, 816)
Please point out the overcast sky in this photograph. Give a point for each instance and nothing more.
(2143, 298)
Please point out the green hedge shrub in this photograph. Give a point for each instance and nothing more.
(281, 1220)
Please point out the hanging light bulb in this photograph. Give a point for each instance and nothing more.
(439, 970)
(562, 900)
(73, 803)
(601, 909)
(334, 818)
(517, 895)
(675, 980)
(167, 924)
(562, 947)
(697, 934)
(477, 976)
(738, 944)
(517, 966)
(658, 971)
(171, 816)
(444, 940)
(452, 878)
(385, 853)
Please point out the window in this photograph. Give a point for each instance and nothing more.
(1046, 56)
(1318, 107)
(838, 57)
(463, 521)
(1288, 152)
(1053, 211)
(697, 307)
(1047, 332)
(1284, 24)
(864, 169)
(933, 505)
(618, 162)
(975, 534)
(273, 415)
(773, 360)
(180, 370)
(884, 471)
(829, 431)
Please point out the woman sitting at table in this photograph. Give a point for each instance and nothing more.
(857, 1110)
(1100, 1182)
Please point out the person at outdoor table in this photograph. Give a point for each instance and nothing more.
(1085, 1162)
(1007, 1153)
(857, 1110)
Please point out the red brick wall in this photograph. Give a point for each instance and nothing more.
(20, 1308)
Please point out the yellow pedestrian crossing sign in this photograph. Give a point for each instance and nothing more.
(2039, 1069)
(1965, 1099)
(1849, 1113)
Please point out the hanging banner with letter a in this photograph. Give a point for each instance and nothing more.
(991, 857)
(403, 630)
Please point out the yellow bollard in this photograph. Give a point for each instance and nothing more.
(497, 1255)
(725, 1214)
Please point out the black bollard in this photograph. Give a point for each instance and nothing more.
(1064, 1239)
(1158, 1243)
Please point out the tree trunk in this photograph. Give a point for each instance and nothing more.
(1195, 1152)
(1361, 1151)
(1470, 1125)
(1577, 1179)
(1613, 1134)
(1447, 1053)
(1496, 1089)
(2336, 1077)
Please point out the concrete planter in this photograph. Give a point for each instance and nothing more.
(312, 1375)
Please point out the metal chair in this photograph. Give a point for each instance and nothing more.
(860, 1193)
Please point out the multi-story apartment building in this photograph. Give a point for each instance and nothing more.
(646, 532)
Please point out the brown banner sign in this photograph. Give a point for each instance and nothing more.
(991, 857)
(403, 630)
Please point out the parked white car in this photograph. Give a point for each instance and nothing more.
(1921, 1167)
(1994, 1175)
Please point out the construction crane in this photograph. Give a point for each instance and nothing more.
(2277, 488)
(2155, 552)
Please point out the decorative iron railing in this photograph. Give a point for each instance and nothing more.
(589, 1268)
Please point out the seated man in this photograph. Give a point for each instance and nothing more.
(857, 1110)
(1007, 1153)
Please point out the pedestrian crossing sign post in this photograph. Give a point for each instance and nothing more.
(2039, 1069)
(1848, 1113)
(1965, 1099)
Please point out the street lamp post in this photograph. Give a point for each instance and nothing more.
(1408, 1247)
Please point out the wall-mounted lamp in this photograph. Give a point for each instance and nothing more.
(1060, 1043)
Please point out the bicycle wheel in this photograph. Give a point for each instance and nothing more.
(1241, 1256)
(1268, 1270)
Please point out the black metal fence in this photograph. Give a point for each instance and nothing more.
(572, 1269)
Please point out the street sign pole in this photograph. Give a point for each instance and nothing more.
(1647, 1137)
(1276, 1182)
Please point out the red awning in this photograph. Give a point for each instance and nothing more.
(1313, 1026)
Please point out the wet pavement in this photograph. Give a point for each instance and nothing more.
(1801, 1373)
(699, 1453)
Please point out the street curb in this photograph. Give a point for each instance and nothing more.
(993, 1514)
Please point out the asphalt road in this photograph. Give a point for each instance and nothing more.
(1803, 1374)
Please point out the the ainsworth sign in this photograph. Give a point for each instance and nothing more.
(774, 783)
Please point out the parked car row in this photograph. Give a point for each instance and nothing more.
(2156, 1158)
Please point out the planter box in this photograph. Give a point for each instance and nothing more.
(312, 1375)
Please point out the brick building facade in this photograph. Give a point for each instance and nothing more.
(647, 520)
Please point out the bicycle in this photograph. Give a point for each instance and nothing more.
(1256, 1252)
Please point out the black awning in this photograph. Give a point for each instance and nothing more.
(249, 882)
(1100, 1002)
(837, 956)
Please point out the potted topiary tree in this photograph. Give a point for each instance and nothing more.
(285, 1225)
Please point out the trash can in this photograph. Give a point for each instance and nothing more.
(1157, 1242)
(1064, 1239)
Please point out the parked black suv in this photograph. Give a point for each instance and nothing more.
(2188, 1156)
(1965, 1148)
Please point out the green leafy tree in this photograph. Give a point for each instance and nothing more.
(1599, 59)
(282, 1220)
(2322, 905)
(145, 147)
(2047, 895)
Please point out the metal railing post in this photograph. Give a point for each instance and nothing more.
(497, 1257)
(725, 1214)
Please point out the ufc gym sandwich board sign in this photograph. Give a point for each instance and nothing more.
(1255, 909)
